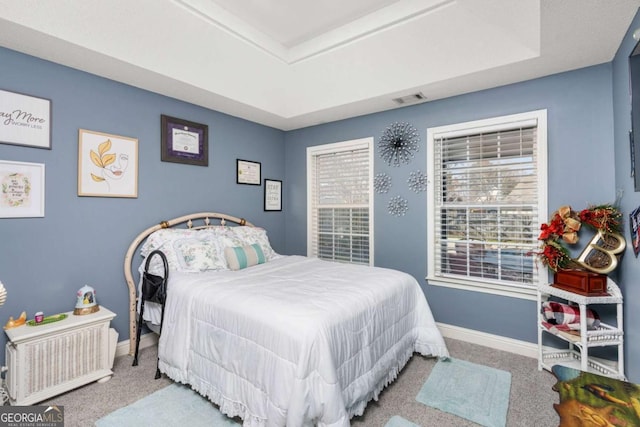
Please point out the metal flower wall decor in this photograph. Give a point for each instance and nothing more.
(398, 143)
(398, 206)
(417, 181)
(382, 183)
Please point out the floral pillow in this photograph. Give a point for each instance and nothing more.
(245, 235)
(198, 255)
(187, 251)
(165, 240)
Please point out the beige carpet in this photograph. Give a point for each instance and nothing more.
(531, 401)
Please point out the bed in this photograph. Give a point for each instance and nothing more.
(278, 340)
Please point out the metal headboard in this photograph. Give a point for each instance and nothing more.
(188, 221)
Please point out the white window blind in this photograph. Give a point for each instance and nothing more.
(339, 208)
(487, 199)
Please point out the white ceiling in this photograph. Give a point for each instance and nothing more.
(294, 63)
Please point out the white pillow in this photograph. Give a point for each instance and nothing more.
(198, 255)
(164, 240)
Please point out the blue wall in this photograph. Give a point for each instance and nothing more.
(629, 270)
(43, 261)
(83, 240)
(580, 129)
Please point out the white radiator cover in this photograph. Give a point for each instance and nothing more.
(46, 360)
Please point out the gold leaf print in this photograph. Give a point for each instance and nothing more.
(95, 159)
(107, 159)
(97, 178)
(104, 147)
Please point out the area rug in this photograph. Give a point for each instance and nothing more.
(175, 405)
(398, 421)
(589, 399)
(475, 392)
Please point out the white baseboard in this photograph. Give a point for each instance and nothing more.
(146, 340)
(498, 342)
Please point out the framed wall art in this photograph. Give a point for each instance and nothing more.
(272, 195)
(107, 165)
(184, 141)
(21, 189)
(634, 223)
(25, 120)
(248, 172)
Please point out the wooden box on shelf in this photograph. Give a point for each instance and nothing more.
(581, 282)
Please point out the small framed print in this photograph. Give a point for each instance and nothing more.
(634, 222)
(184, 141)
(248, 172)
(25, 120)
(21, 189)
(107, 165)
(272, 195)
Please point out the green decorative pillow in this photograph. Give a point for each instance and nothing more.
(239, 257)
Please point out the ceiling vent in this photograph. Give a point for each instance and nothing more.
(410, 99)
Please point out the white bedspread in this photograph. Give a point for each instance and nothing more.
(296, 341)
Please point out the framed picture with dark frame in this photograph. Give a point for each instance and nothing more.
(248, 172)
(272, 195)
(184, 141)
(25, 120)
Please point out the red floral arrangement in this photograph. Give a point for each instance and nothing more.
(564, 226)
(603, 217)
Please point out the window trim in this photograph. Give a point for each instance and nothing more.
(355, 144)
(486, 125)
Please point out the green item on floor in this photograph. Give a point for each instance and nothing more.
(173, 406)
(476, 392)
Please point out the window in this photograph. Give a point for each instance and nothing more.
(487, 195)
(340, 202)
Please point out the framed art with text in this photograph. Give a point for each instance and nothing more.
(272, 195)
(107, 165)
(248, 172)
(21, 189)
(184, 141)
(25, 120)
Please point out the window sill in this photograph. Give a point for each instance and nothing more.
(528, 293)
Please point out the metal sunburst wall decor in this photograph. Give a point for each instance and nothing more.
(382, 183)
(398, 206)
(398, 143)
(417, 181)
